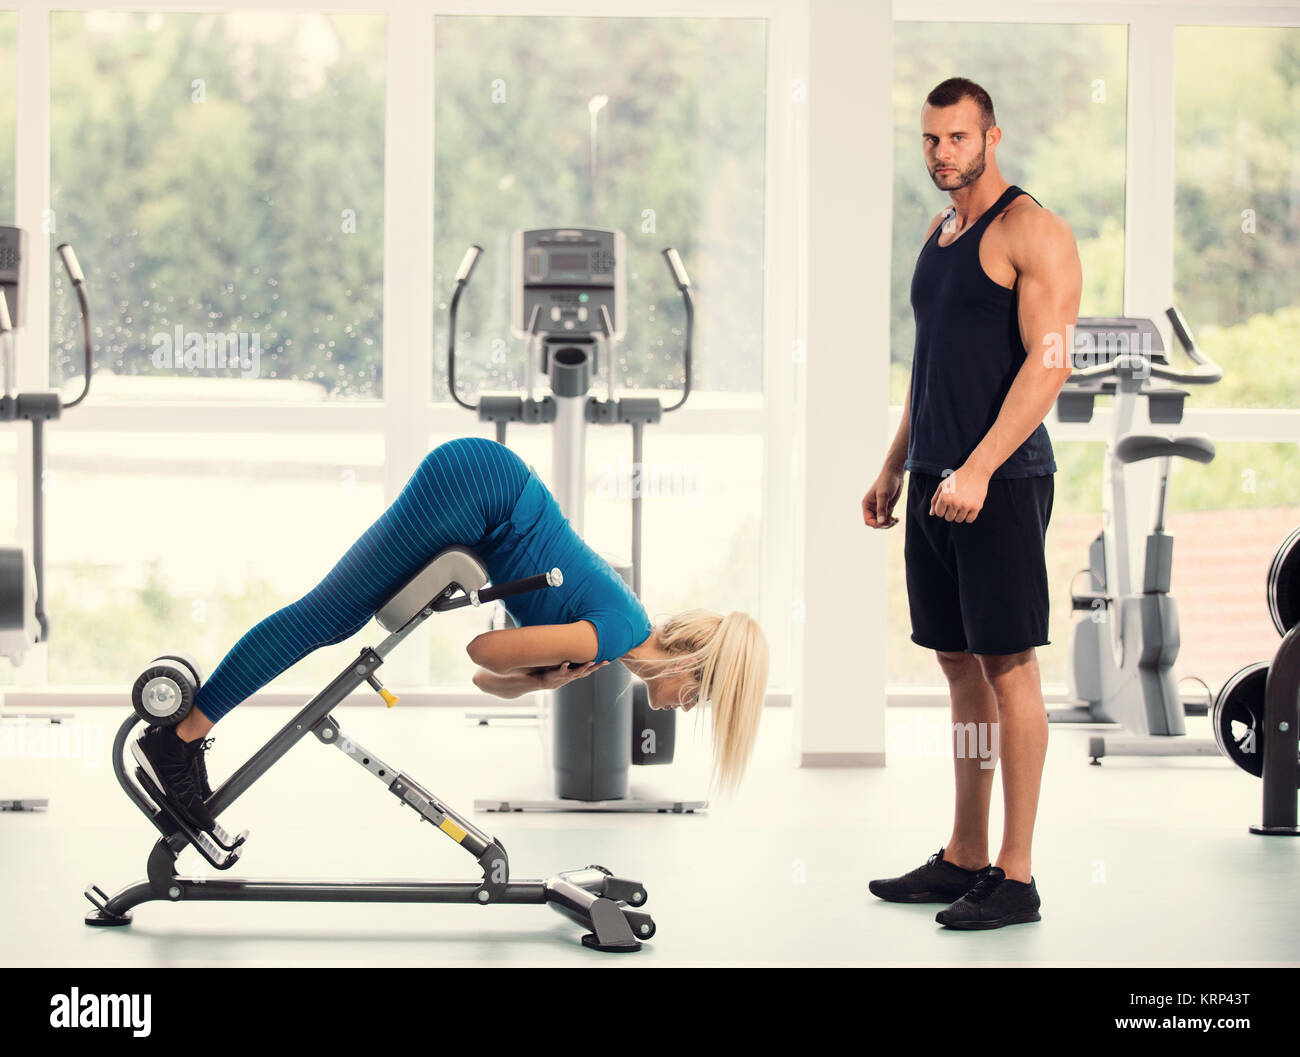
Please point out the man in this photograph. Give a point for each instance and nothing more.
(995, 289)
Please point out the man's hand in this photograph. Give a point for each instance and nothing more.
(878, 503)
(960, 496)
(552, 678)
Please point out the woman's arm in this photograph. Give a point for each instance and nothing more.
(511, 686)
(509, 651)
(506, 686)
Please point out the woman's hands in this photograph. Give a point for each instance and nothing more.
(551, 678)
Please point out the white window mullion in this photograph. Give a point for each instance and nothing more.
(1148, 205)
(1149, 166)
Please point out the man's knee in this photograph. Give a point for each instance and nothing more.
(958, 666)
(1001, 669)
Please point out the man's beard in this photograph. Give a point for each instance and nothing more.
(964, 177)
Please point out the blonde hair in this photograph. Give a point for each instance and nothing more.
(730, 658)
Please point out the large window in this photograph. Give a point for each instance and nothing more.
(1237, 201)
(189, 540)
(222, 178)
(654, 127)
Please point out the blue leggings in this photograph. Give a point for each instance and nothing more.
(459, 492)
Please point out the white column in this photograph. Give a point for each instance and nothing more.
(842, 383)
(409, 297)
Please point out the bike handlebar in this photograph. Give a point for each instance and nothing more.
(1205, 371)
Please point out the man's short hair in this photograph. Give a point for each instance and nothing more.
(955, 89)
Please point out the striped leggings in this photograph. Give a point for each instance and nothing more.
(459, 492)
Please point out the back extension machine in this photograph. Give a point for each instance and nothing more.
(592, 897)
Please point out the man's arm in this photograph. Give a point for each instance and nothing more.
(897, 455)
(1049, 284)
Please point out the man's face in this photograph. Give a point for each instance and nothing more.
(953, 143)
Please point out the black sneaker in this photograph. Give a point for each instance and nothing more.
(994, 900)
(200, 755)
(177, 768)
(938, 881)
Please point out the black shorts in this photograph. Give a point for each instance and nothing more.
(979, 587)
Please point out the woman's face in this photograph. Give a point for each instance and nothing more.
(680, 690)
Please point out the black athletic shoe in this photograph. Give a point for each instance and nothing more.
(994, 901)
(938, 881)
(200, 756)
(177, 768)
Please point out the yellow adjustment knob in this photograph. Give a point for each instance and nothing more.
(389, 697)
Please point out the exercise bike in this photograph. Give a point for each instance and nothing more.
(164, 693)
(1256, 713)
(1122, 651)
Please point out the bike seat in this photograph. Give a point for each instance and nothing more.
(1135, 447)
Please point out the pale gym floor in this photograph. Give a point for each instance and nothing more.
(1139, 862)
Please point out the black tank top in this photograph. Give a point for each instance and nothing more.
(968, 352)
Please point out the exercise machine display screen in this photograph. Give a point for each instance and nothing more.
(568, 281)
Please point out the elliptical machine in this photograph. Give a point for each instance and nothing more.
(23, 620)
(568, 296)
(1122, 651)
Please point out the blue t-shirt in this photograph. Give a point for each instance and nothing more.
(536, 538)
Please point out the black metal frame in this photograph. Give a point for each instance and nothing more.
(591, 897)
(1281, 740)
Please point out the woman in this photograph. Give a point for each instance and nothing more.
(479, 493)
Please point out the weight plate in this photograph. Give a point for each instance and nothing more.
(1238, 718)
(1284, 585)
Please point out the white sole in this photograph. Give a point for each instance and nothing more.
(143, 761)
